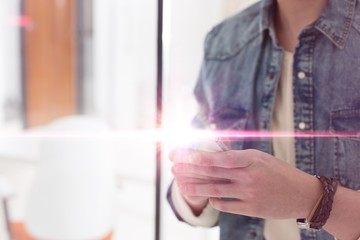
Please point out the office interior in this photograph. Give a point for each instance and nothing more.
(78, 88)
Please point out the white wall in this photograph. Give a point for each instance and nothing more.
(10, 91)
(125, 62)
(124, 97)
(10, 87)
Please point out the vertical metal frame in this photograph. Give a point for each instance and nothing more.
(7, 218)
(22, 68)
(159, 107)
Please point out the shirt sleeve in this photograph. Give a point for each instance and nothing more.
(208, 218)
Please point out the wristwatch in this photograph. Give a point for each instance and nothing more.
(321, 211)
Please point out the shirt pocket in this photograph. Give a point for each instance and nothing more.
(232, 123)
(345, 124)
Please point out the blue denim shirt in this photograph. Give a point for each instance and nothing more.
(237, 87)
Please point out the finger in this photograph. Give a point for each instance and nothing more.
(185, 179)
(181, 170)
(225, 159)
(212, 172)
(209, 190)
(180, 155)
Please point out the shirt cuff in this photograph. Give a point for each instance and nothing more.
(208, 218)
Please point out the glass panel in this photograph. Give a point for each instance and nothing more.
(124, 75)
(186, 24)
(10, 70)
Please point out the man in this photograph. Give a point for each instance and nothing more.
(279, 66)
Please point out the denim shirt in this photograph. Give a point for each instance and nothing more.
(237, 87)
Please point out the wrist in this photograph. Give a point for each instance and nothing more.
(312, 195)
(320, 211)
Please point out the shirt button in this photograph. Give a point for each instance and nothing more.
(301, 75)
(253, 234)
(302, 125)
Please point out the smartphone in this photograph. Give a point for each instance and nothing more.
(209, 145)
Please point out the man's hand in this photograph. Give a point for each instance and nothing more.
(184, 178)
(263, 185)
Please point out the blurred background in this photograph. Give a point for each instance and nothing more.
(72, 73)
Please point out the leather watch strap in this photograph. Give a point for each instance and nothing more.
(323, 209)
(322, 213)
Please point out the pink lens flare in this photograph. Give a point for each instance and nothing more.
(180, 135)
(304, 134)
(21, 21)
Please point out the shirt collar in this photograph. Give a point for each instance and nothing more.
(266, 14)
(335, 21)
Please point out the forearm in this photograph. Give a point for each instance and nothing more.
(344, 220)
